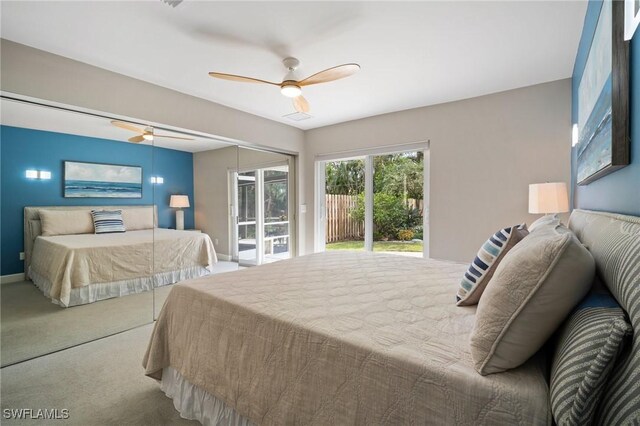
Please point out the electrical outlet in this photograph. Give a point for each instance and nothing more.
(21, 255)
(215, 242)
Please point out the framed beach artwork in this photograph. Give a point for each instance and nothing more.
(96, 180)
(603, 99)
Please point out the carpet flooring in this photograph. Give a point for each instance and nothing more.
(31, 326)
(100, 383)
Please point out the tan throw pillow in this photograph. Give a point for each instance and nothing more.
(486, 262)
(532, 291)
(137, 218)
(66, 222)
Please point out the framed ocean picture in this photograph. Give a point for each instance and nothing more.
(97, 180)
(603, 98)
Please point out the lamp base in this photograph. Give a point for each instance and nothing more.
(179, 220)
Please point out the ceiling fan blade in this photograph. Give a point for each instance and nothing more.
(240, 78)
(136, 139)
(301, 104)
(171, 137)
(126, 126)
(331, 74)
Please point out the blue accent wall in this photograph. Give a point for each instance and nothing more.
(22, 149)
(619, 191)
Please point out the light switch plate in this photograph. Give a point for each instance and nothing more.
(21, 255)
(303, 208)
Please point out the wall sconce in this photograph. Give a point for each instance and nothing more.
(575, 135)
(37, 174)
(157, 180)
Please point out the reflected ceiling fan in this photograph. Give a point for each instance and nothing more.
(144, 134)
(291, 87)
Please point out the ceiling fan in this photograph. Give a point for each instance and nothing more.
(291, 87)
(145, 134)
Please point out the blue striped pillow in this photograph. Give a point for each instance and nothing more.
(107, 221)
(484, 265)
(588, 346)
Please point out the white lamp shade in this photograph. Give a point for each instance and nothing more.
(179, 201)
(547, 198)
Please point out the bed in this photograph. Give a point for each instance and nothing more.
(360, 338)
(75, 269)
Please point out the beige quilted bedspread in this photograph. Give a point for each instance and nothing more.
(340, 338)
(73, 261)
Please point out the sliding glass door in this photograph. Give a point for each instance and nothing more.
(375, 202)
(276, 233)
(263, 222)
(398, 203)
(247, 223)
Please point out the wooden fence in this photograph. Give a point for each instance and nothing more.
(340, 226)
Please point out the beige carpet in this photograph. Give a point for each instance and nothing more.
(31, 326)
(100, 383)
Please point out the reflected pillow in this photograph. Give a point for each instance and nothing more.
(532, 291)
(138, 218)
(484, 265)
(65, 222)
(108, 221)
(588, 346)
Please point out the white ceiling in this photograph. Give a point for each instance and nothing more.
(20, 114)
(412, 53)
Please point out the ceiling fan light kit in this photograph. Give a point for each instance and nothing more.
(291, 87)
(290, 90)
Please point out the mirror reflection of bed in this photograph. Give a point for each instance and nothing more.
(63, 282)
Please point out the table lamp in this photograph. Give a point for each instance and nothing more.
(179, 202)
(548, 198)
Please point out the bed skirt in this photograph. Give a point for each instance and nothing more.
(95, 292)
(194, 403)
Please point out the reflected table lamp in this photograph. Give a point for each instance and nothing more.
(179, 202)
(548, 199)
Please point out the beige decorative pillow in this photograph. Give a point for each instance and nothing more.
(66, 222)
(137, 218)
(532, 291)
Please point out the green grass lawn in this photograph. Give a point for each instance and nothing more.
(409, 246)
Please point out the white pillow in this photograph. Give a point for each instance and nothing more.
(137, 218)
(66, 222)
(530, 294)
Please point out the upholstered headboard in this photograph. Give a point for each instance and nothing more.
(32, 226)
(614, 242)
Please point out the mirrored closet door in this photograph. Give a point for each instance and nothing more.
(192, 198)
(72, 184)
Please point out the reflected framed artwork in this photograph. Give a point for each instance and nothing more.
(603, 98)
(98, 180)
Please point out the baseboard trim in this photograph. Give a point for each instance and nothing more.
(13, 278)
(224, 257)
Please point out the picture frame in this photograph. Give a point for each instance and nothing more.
(603, 99)
(631, 18)
(101, 180)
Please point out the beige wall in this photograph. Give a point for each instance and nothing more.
(484, 153)
(211, 188)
